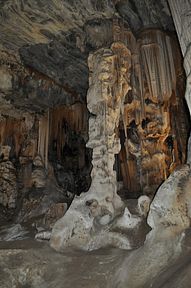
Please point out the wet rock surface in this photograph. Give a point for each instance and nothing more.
(29, 263)
(38, 265)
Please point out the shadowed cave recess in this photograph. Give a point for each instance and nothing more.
(93, 124)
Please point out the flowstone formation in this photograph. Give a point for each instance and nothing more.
(91, 217)
(153, 139)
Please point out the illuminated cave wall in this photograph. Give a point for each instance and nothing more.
(44, 160)
(63, 133)
(154, 126)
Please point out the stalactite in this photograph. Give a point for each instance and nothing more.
(65, 119)
(156, 53)
(13, 133)
(149, 112)
(43, 138)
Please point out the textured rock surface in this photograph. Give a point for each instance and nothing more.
(153, 139)
(181, 16)
(44, 70)
(144, 13)
(43, 130)
(43, 161)
(97, 218)
(55, 38)
(8, 184)
(25, 263)
(170, 208)
(92, 212)
(169, 217)
(40, 266)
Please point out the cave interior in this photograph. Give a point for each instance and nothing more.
(94, 122)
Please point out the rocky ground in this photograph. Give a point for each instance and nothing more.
(28, 263)
(34, 264)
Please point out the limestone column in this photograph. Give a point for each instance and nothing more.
(96, 209)
(108, 82)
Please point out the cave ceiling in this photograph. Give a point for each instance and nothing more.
(54, 38)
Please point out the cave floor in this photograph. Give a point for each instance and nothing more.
(28, 263)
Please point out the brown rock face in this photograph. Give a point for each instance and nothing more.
(8, 186)
(154, 128)
(43, 162)
(181, 16)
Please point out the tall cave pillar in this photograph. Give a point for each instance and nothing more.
(108, 82)
(181, 11)
(95, 210)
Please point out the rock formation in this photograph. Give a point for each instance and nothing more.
(152, 145)
(136, 150)
(180, 13)
(168, 217)
(148, 131)
(93, 212)
(79, 152)
(37, 171)
(9, 189)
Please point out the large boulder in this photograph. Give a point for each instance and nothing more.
(169, 217)
(170, 208)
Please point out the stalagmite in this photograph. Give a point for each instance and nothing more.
(93, 213)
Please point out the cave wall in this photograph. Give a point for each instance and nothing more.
(43, 118)
(43, 158)
(154, 125)
(181, 16)
(43, 87)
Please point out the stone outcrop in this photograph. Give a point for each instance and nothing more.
(170, 208)
(38, 174)
(169, 216)
(109, 83)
